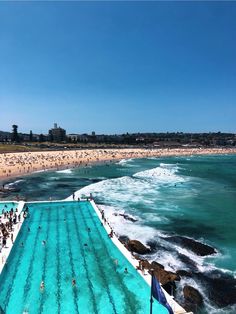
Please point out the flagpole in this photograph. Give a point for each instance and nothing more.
(151, 299)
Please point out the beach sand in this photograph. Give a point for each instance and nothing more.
(18, 164)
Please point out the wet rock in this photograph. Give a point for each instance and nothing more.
(137, 247)
(146, 264)
(220, 287)
(193, 245)
(193, 298)
(155, 246)
(123, 239)
(157, 265)
(163, 275)
(191, 265)
(127, 217)
(183, 273)
(170, 287)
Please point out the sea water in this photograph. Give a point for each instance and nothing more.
(191, 196)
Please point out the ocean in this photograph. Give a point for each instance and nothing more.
(162, 199)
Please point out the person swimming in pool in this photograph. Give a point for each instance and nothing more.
(42, 285)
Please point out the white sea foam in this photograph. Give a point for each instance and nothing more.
(15, 182)
(122, 226)
(162, 174)
(42, 170)
(64, 171)
(124, 161)
(124, 189)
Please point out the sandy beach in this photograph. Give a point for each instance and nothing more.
(18, 164)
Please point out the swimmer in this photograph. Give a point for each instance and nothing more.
(42, 286)
(43, 242)
(126, 270)
(116, 262)
(73, 282)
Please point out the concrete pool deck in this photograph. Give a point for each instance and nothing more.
(134, 262)
(7, 249)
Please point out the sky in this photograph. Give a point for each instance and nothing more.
(116, 67)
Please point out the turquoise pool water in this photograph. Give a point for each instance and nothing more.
(71, 252)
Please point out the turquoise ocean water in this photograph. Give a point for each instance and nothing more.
(192, 196)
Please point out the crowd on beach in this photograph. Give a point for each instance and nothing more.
(13, 164)
(9, 218)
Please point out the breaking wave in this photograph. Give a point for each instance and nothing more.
(64, 171)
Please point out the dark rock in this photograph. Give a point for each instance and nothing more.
(193, 245)
(146, 264)
(193, 298)
(170, 287)
(183, 273)
(155, 246)
(137, 247)
(163, 275)
(127, 217)
(220, 287)
(157, 265)
(123, 239)
(188, 261)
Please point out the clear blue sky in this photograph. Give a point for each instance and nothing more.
(116, 67)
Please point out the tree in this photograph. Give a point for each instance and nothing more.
(31, 136)
(14, 135)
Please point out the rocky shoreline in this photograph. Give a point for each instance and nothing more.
(219, 287)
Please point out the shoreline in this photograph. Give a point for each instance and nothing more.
(13, 165)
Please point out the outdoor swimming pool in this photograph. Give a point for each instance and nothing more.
(71, 252)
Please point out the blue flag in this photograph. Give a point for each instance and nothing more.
(158, 294)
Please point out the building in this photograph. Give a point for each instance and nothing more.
(73, 137)
(57, 134)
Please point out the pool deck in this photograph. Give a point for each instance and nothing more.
(6, 250)
(133, 261)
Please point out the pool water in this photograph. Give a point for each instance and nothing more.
(71, 252)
